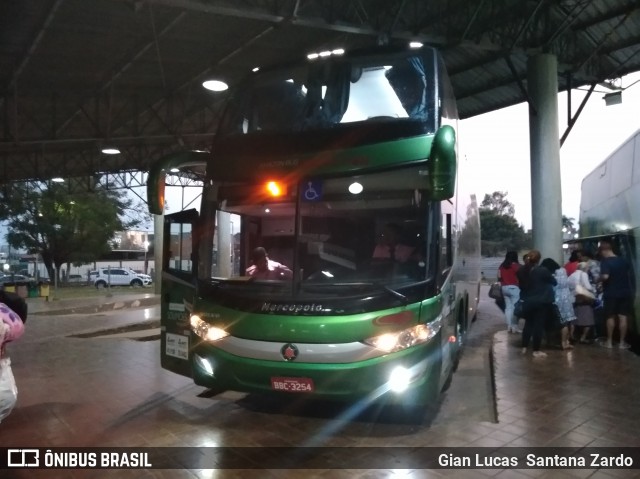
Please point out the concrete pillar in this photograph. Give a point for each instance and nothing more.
(158, 242)
(223, 234)
(546, 187)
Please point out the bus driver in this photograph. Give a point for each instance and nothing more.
(264, 268)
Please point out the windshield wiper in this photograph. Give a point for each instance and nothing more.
(364, 284)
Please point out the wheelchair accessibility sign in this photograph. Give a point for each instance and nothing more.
(312, 190)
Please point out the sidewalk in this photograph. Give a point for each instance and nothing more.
(587, 396)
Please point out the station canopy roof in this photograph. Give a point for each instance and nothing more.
(78, 75)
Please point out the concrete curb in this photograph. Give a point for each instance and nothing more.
(111, 304)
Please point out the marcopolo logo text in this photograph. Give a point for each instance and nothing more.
(291, 308)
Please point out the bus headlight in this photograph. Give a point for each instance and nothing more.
(397, 341)
(205, 330)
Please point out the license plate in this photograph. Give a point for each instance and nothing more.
(292, 385)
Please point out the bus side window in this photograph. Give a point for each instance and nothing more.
(446, 246)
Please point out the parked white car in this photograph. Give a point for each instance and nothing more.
(145, 277)
(104, 277)
(76, 278)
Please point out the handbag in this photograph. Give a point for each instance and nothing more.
(8, 390)
(583, 295)
(557, 321)
(495, 291)
(519, 309)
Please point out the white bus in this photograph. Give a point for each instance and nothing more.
(610, 209)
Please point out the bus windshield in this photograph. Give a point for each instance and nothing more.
(326, 92)
(322, 232)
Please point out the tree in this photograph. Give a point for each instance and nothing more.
(569, 231)
(567, 223)
(498, 203)
(65, 227)
(469, 240)
(499, 230)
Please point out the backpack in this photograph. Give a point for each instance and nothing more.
(15, 302)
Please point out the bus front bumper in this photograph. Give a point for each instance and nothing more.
(408, 376)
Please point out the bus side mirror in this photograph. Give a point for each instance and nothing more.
(155, 189)
(190, 160)
(442, 164)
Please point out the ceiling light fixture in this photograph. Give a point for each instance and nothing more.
(57, 179)
(215, 85)
(325, 54)
(355, 188)
(110, 150)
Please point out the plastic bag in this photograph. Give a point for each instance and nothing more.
(8, 389)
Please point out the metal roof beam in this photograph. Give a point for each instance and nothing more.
(319, 23)
(610, 15)
(34, 44)
(127, 65)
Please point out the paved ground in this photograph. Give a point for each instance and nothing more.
(110, 391)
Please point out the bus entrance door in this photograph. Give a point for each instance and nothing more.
(177, 291)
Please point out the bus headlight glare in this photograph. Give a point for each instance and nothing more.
(204, 364)
(397, 341)
(399, 379)
(205, 330)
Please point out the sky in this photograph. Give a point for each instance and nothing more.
(496, 146)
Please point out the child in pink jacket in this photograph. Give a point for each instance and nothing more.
(11, 328)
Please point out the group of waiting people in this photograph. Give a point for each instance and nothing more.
(549, 296)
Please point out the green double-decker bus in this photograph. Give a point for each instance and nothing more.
(344, 168)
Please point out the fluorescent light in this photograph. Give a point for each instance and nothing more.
(415, 45)
(57, 180)
(355, 188)
(215, 85)
(174, 170)
(110, 150)
(326, 53)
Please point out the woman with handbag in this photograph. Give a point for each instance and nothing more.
(507, 275)
(584, 294)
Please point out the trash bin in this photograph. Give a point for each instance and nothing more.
(21, 288)
(44, 290)
(34, 291)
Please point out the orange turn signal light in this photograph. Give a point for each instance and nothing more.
(274, 188)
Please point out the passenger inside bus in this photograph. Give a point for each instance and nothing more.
(409, 83)
(391, 245)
